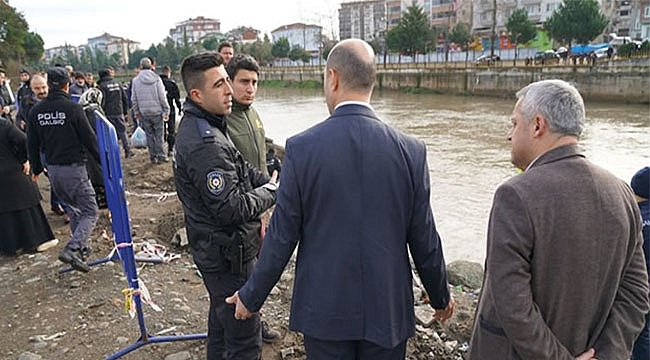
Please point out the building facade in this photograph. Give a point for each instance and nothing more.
(365, 20)
(110, 44)
(194, 30)
(309, 37)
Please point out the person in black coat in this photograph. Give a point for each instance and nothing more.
(173, 98)
(22, 220)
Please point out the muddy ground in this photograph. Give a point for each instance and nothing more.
(82, 316)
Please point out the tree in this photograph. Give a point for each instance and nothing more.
(579, 20)
(298, 53)
(520, 29)
(13, 30)
(281, 48)
(460, 36)
(33, 48)
(412, 34)
(260, 50)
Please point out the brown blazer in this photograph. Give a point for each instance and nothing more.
(565, 269)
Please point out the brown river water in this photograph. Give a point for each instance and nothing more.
(468, 152)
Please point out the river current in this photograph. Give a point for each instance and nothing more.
(467, 148)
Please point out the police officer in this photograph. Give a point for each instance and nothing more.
(223, 198)
(59, 128)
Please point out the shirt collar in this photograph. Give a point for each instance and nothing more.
(354, 103)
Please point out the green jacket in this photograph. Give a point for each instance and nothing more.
(247, 133)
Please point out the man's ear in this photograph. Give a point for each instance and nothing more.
(195, 95)
(333, 77)
(540, 126)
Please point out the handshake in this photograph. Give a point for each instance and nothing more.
(273, 183)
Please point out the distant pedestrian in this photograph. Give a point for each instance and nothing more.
(151, 108)
(7, 99)
(79, 86)
(174, 101)
(115, 107)
(59, 127)
(227, 51)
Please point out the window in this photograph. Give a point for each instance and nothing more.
(646, 12)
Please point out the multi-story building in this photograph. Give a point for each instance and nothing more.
(309, 37)
(194, 30)
(394, 10)
(110, 44)
(244, 34)
(365, 19)
(60, 52)
(643, 22)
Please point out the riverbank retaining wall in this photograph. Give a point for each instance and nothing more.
(620, 81)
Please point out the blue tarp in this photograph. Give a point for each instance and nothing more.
(585, 49)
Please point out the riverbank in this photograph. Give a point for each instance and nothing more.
(625, 81)
(47, 315)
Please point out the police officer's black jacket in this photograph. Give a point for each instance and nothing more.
(221, 194)
(173, 94)
(59, 128)
(114, 101)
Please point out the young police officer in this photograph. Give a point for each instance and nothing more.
(59, 128)
(223, 197)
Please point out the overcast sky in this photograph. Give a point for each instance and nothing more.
(74, 21)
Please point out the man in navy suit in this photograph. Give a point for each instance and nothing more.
(355, 197)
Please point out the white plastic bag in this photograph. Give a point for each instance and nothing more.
(139, 138)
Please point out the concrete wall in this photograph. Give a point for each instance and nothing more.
(616, 82)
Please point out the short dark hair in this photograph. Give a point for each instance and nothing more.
(166, 68)
(223, 45)
(195, 65)
(239, 62)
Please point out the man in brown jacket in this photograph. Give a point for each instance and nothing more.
(565, 275)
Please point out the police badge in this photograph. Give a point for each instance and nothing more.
(216, 182)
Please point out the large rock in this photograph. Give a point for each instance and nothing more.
(465, 273)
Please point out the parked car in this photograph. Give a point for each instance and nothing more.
(546, 57)
(487, 59)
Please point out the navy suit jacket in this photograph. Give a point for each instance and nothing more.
(354, 198)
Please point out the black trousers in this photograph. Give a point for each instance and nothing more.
(317, 349)
(229, 338)
(170, 124)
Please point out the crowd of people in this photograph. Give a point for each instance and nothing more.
(568, 243)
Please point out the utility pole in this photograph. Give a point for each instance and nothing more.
(494, 28)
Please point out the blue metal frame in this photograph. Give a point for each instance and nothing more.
(109, 152)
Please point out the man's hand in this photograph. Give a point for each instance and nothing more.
(588, 355)
(443, 315)
(241, 313)
(26, 168)
(34, 178)
(273, 183)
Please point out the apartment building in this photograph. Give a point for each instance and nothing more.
(307, 36)
(366, 19)
(110, 44)
(194, 30)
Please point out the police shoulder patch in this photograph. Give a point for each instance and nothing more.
(215, 182)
